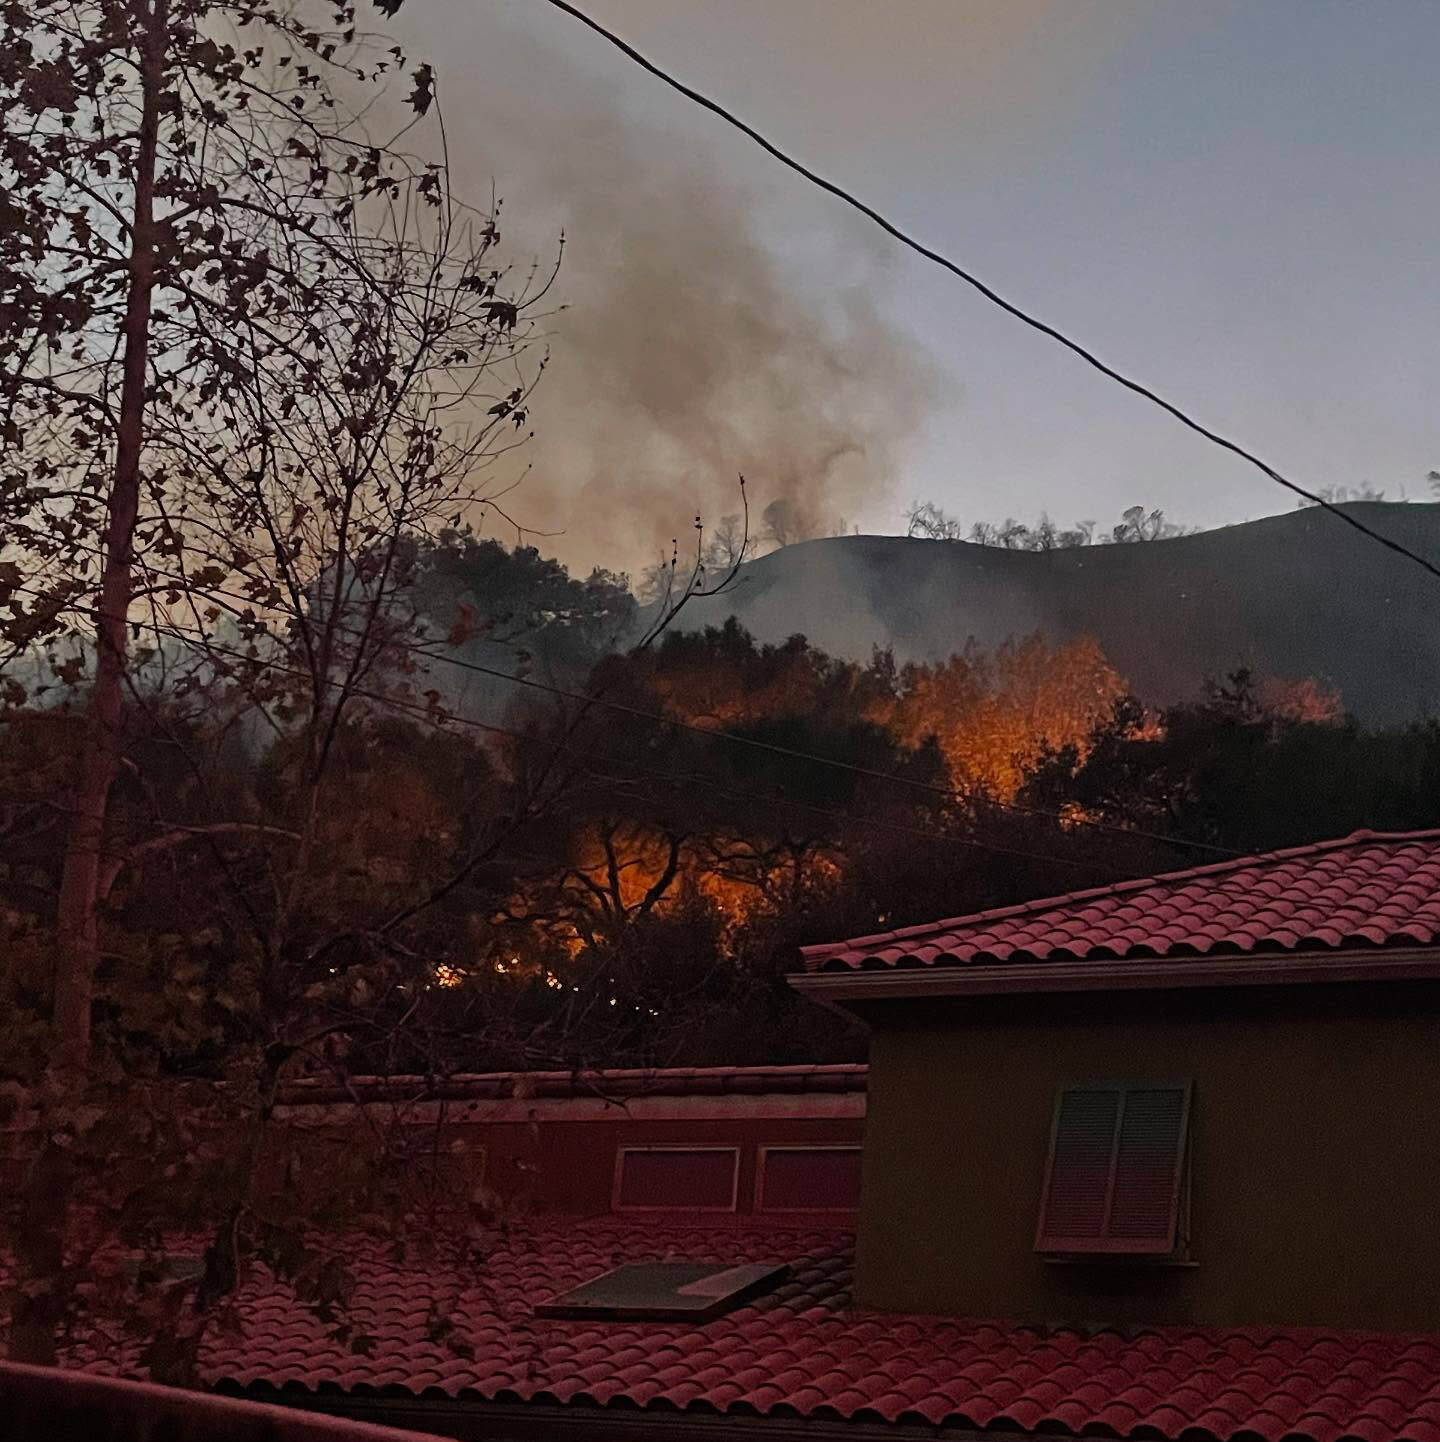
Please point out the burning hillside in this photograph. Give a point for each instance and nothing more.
(1290, 597)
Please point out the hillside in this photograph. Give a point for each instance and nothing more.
(1295, 595)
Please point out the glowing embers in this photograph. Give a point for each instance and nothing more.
(666, 1291)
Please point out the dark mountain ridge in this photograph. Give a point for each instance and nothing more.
(1290, 596)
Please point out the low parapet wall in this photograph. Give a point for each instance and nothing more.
(45, 1404)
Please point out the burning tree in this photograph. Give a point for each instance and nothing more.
(745, 798)
(996, 714)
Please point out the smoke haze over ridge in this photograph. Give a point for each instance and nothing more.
(693, 346)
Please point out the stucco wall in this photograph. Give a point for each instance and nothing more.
(569, 1166)
(1315, 1140)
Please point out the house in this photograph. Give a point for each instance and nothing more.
(1148, 1162)
(684, 1144)
(1211, 1097)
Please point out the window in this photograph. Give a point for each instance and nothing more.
(687, 1179)
(1117, 1170)
(808, 1179)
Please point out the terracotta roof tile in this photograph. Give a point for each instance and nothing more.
(803, 1351)
(1367, 890)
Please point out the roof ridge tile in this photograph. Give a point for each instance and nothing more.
(1266, 902)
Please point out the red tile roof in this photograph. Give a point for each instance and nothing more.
(466, 1329)
(1369, 890)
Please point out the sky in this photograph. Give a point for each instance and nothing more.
(1235, 201)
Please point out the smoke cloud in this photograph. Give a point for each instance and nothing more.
(694, 345)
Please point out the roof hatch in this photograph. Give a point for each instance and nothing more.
(666, 1291)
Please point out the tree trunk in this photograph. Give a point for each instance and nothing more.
(39, 1313)
(78, 951)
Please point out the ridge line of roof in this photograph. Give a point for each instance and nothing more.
(631, 1082)
(815, 954)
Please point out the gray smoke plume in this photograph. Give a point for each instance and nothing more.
(691, 348)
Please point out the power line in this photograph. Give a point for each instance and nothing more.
(949, 793)
(426, 712)
(1034, 322)
(793, 754)
(704, 783)
(1027, 319)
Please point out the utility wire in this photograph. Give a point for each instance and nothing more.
(427, 713)
(1010, 308)
(949, 793)
(792, 753)
(1034, 322)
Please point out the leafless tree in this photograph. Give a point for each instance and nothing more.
(253, 347)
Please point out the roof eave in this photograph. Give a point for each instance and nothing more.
(472, 1417)
(1135, 974)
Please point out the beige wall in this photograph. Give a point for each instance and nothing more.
(1315, 1149)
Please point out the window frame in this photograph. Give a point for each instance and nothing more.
(1105, 1246)
(630, 1208)
(761, 1158)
